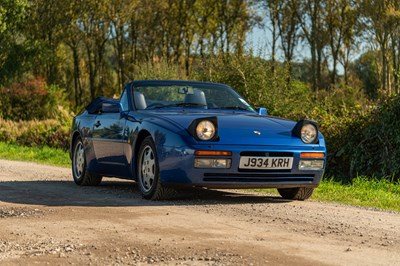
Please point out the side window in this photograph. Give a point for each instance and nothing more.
(124, 101)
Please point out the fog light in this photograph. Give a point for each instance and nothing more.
(212, 163)
(311, 164)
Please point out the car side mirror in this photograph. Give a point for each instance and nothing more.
(109, 107)
(262, 111)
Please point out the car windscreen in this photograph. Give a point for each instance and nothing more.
(190, 96)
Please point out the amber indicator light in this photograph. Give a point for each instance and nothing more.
(312, 155)
(213, 153)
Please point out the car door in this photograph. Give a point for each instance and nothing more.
(130, 104)
(108, 138)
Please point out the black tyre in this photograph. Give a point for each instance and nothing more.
(81, 176)
(148, 173)
(298, 193)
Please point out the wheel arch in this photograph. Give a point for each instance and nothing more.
(139, 139)
(74, 137)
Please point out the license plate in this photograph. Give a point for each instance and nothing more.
(279, 163)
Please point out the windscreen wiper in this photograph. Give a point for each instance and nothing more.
(232, 108)
(180, 105)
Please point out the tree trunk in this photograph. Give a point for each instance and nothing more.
(384, 69)
(333, 74)
(273, 52)
(319, 68)
(92, 85)
(313, 67)
(77, 81)
(396, 69)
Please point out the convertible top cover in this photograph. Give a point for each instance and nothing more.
(95, 105)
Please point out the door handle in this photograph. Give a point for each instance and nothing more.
(97, 124)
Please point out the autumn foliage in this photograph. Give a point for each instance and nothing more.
(31, 99)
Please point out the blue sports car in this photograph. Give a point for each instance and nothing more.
(168, 134)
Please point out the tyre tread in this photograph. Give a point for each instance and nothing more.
(159, 191)
(91, 179)
(300, 193)
(88, 179)
(163, 193)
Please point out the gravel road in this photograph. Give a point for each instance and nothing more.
(46, 219)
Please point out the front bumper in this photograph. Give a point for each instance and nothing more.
(177, 168)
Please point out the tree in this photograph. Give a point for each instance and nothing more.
(96, 33)
(288, 25)
(311, 17)
(367, 71)
(205, 24)
(394, 35)
(339, 13)
(353, 29)
(119, 14)
(381, 18)
(273, 10)
(233, 22)
(12, 17)
(45, 25)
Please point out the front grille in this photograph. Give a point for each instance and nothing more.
(258, 178)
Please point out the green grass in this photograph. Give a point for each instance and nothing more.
(44, 155)
(363, 191)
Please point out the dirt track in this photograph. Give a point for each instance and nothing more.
(46, 219)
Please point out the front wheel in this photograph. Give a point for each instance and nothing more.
(298, 193)
(79, 168)
(148, 173)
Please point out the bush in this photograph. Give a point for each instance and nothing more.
(35, 133)
(31, 115)
(366, 143)
(376, 144)
(260, 82)
(158, 70)
(32, 99)
(341, 112)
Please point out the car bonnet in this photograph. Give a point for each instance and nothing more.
(241, 128)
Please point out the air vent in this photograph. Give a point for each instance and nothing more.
(258, 178)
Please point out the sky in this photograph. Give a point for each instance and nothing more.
(260, 39)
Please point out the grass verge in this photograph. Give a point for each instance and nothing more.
(363, 191)
(44, 155)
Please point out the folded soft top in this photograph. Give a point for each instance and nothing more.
(95, 105)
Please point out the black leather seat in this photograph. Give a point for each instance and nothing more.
(198, 97)
(140, 102)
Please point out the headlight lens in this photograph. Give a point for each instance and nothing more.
(309, 133)
(205, 130)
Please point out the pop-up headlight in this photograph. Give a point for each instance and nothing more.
(204, 129)
(307, 131)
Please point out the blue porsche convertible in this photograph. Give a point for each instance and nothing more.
(168, 134)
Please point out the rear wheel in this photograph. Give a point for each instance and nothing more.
(148, 173)
(298, 193)
(79, 168)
